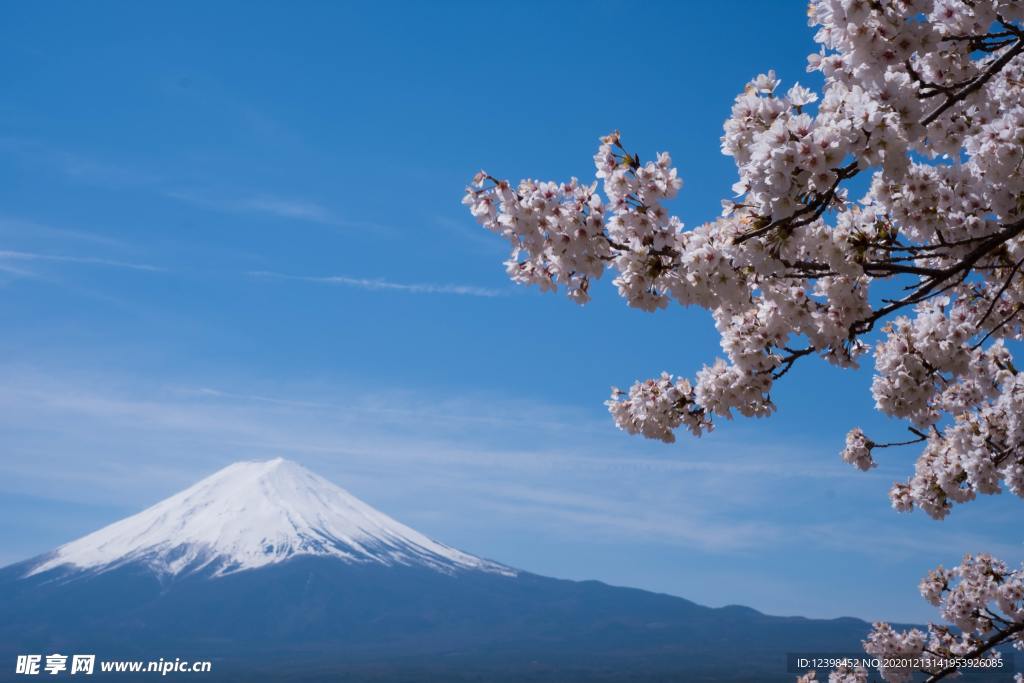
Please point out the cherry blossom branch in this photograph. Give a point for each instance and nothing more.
(793, 257)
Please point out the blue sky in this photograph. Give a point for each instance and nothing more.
(233, 231)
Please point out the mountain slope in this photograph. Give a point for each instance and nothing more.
(369, 622)
(275, 574)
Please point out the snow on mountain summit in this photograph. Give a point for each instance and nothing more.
(252, 514)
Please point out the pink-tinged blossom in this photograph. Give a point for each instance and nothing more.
(858, 450)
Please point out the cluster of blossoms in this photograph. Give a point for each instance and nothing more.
(982, 598)
(858, 450)
(925, 100)
(560, 226)
(844, 673)
(648, 403)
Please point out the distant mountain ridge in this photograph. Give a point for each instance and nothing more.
(274, 573)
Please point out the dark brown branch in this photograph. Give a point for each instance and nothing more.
(1000, 637)
(921, 436)
(975, 85)
(786, 363)
(999, 294)
(1005, 321)
(815, 208)
(961, 268)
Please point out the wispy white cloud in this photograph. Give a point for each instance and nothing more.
(16, 271)
(418, 435)
(381, 285)
(28, 256)
(495, 475)
(102, 173)
(274, 206)
(85, 169)
(12, 227)
(270, 205)
(576, 482)
(562, 512)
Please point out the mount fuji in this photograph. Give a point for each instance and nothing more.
(253, 514)
(274, 573)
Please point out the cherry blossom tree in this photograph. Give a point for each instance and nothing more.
(921, 273)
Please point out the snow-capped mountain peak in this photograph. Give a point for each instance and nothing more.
(251, 514)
